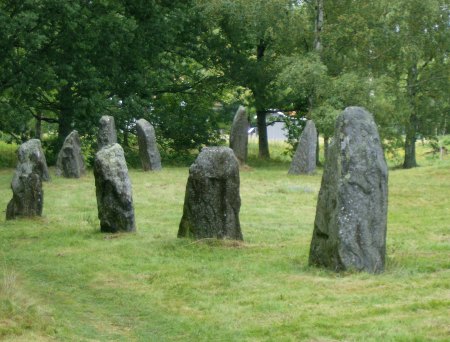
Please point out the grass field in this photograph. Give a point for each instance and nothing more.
(61, 279)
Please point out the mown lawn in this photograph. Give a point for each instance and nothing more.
(61, 279)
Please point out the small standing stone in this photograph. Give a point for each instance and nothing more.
(212, 201)
(70, 163)
(148, 149)
(107, 134)
(113, 190)
(351, 215)
(31, 151)
(31, 170)
(304, 160)
(239, 135)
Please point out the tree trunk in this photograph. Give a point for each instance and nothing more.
(263, 141)
(125, 138)
(441, 148)
(318, 25)
(317, 150)
(258, 93)
(126, 134)
(65, 115)
(411, 126)
(410, 143)
(38, 127)
(326, 142)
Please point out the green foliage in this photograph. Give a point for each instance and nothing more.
(445, 141)
(184, 122)
(306, 79)
(8, 154)
(438, 147)
(247, 40)
(386, 56)
(64, 64)
(294, 126)
(302, 76)
(88, 148)
(132, 157)
(51, 148)
(72, 62)
(177, 158)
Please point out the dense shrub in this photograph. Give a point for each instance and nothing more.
(8, 154)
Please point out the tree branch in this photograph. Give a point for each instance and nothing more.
(43, 118)
(181, 88)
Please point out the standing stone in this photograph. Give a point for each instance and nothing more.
(32, 152)
(304, 160)
(351, 215)
(212, 201)
(239, 135)
(28, 196)
(113, 190)
(70, 163)
(148, 149)
(107, 132)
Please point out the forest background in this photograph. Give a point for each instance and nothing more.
(186, 65)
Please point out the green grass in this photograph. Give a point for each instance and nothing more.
(61, 279)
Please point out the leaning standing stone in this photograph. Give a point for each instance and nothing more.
(113, 190)
(304, 160)
(70, 163)
(212, 201)
(351, 215)
(107, 132)
(239, 135)
(28, 196)
(148, 149)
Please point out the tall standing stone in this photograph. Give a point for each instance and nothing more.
(31, 170)
(107, 134)
(304, 160)
(351, 215)
(239, 135)
(70, 162)
(212, 201)
(113, 190)
(148, 149)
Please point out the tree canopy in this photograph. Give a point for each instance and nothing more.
(184, 64)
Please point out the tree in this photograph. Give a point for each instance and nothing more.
(391, 57)
(67, 63)
(402, 47)
(60, 51)
(70, 62)
(420, 40)
(325, 76)
(247, 39)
